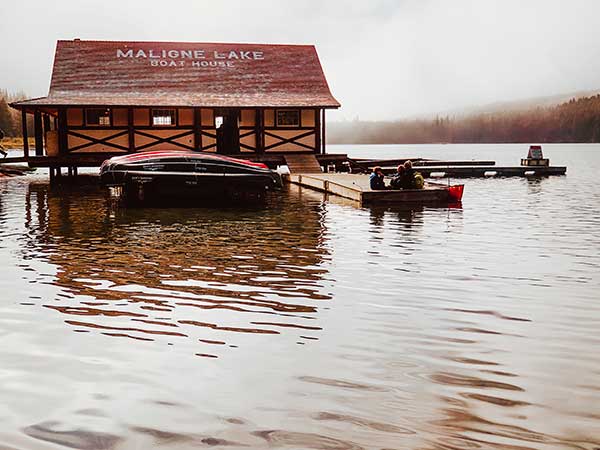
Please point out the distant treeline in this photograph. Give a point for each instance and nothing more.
(10, 119)
(577, 120)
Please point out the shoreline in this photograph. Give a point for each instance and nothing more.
(16, 143)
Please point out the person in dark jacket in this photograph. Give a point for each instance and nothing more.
(411, 179)
(4, 153)
(376, 179)
(408, 176)
(398, 178)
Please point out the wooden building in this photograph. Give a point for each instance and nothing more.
(108, 98)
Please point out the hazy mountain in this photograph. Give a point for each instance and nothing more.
(565, 118)
(519, 105)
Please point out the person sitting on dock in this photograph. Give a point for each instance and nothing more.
(411, 178)
(376, 179)
(398, 178)
(2, 150)
(409, 175)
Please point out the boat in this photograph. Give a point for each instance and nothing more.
(455, 192)
(167, 176)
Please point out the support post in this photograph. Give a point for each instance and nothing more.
(24, 132)
(46, 118)
(324, 136)
(258, 127)
(130, 130)
(197, 130)
(63, 141)
(39, 133)
(46, 123)
(318, 148)
(260, 137)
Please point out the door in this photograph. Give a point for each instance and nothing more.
(228, 134)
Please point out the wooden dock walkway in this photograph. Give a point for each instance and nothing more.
(356, 187)
(302, 163)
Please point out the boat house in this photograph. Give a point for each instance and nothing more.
(108, 98)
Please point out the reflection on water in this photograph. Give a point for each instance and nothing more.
(137, 273)
(407, 215)
(306, 322)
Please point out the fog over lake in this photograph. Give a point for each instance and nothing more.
(383, 59)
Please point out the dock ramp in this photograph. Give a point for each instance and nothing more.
(303, 163)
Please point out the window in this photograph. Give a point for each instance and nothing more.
(163, 117)
(288, 118)
(97, 116)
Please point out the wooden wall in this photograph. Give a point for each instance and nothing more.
(131, 131)
(248, 131)
(291, 139)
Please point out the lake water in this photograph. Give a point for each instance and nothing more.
(306, 323)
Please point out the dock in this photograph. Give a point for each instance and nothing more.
(455, 169)
(484, 171)
(356, 187)
(368, 164)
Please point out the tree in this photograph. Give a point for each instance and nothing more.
(6, 118)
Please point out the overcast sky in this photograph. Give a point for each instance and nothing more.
(384, 59)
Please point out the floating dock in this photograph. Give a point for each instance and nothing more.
(368, 164)
(485, 171)
(457, 169)
(356, 187)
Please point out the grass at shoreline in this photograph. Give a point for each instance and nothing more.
(16, 142)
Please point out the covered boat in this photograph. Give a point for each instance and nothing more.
(181, 175)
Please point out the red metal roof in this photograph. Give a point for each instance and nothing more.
(111, 73)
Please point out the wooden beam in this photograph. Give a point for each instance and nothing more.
(24, 131)
(258, 126)
(130, 130)
(291, 140)
(46, 118)
(46, 123)
(262, 130)
(318, 148)
(197, 130)
(169, 139)
(93, 141)
(63, 140)
(39, 133)
(324, 136)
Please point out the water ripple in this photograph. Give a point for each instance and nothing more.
(307, 322)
